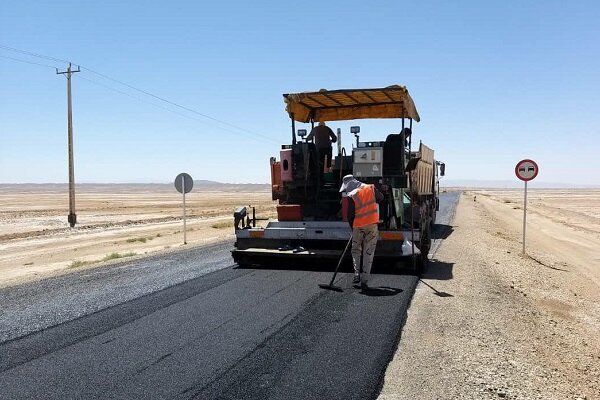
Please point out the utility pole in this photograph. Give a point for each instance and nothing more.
(72, 217)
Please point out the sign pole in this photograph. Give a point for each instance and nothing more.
(184, 183)
(524, 216)
(184, 228)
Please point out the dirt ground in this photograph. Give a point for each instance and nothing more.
(113, 221)
(488, 323)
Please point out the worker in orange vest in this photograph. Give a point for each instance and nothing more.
(363, 215)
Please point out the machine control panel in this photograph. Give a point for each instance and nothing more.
(368, 162)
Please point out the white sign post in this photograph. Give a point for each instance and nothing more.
(526, 170)
(184, 184)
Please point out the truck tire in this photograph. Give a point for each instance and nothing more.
(420, 265)
(422, 261)
(432, 221)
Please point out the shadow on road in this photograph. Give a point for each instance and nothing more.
(296, 265)
(441, 231)
(439, 270)
(436, 269)
(379, 267)
(435, 291)
(381, 291)
(327, 265)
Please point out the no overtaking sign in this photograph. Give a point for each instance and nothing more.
(526, 170)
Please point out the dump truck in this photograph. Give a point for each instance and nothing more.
(311, 225)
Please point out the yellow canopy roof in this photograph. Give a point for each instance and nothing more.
(345, 104)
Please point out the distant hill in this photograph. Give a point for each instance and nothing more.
(509, 184)
(204, 182)
(213, 185)
(199, 185)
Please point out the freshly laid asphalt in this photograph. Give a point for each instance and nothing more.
(228, 334)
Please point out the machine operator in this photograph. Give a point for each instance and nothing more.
(323, 136)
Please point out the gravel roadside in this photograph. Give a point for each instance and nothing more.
(487, 323)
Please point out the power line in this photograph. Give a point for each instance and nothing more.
(179, 105)
(28, 62)
(139, 99)
(29, 53)
(131, 96)
(156, 105)
(109, 88)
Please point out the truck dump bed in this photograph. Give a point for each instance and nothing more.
(422, 175)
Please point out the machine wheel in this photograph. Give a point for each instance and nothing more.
(242, 262)
(422, 260)
(425, 242)
(420, 266)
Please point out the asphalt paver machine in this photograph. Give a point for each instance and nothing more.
(311, 225)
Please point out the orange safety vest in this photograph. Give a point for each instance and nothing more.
(365, 207)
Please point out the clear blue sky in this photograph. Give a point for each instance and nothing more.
(494, 82)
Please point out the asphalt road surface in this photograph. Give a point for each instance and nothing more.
(189, 326)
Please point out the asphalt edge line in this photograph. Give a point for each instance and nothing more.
(381, 380)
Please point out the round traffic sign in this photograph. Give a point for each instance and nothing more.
(184, 180)
(526, 170)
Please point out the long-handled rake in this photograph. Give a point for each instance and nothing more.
(330, 285)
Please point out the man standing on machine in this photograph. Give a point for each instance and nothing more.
(323, 137)
(363, 215)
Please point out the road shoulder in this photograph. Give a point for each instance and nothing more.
(489, 323)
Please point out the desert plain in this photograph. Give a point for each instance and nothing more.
(113, 222)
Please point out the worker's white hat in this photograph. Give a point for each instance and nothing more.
(349, 183)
